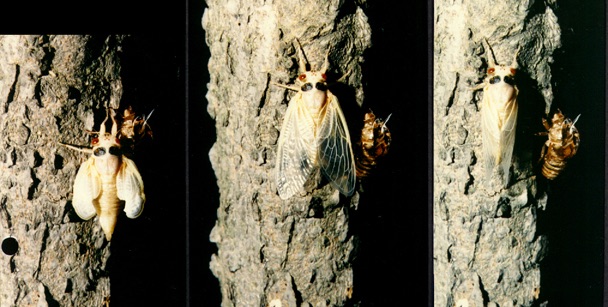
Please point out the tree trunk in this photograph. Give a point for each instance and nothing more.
(274, 252)
(54, 89)
(487, 250)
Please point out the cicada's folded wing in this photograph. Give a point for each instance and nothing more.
(87, 187)
(507, 139)
(296, 149)
(335, 151)
(490, 135)
(130, 188)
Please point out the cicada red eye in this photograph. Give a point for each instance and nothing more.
(491, 70)
(302, 77)
(324, 76)
(513, 71)
(94, 141)
(117, 140)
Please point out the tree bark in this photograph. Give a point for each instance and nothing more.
(273, 252)
(487, 250)
(54, 89)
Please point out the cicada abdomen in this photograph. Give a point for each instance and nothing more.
(561, 146)
(374, 144)
(107, 182)
(314, 135)
(499, 116)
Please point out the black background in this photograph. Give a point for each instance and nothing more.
(162, 258)
(572, 274)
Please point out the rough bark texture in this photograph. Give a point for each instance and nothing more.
(487, 250)
(53, 89)
(273, 252)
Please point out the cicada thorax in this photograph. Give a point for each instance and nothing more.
(374, 144)
(562, 144)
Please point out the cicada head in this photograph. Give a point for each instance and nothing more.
(313, 86)
(559, 119)
(501, 80)
(106, 144)
(501, 73)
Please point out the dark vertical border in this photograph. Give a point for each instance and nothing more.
(605, 163)
(430, 46)
(187, 148)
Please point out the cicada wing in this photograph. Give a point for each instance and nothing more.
(335, 151)
(490, 133)
(87, 187)
(296, 149)
(130, 188)
(507, 139)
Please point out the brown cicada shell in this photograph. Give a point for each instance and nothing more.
(133, 129)
(562, 144)
(374, 144)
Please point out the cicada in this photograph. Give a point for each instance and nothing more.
(374, 143)
(314, 135)
(107, 182)
(499, 116)
(134, 127)
(132, 130)
(561, 146)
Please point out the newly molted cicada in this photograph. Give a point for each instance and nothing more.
(107, 182)
(499, 116)
(314, 135)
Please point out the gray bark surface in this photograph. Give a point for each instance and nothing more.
(486, 249)
(53, 89)
(273, 252)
